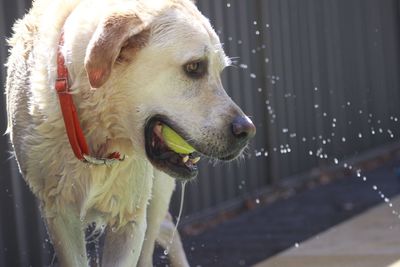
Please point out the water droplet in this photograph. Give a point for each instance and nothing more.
(228, 5)
(375, 187)
(390, 133)
(165, 252)
(296, 245)
(257, 201)
(336, 161)
(285, 130)
(252, 75)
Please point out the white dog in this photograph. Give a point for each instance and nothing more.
(123, 71)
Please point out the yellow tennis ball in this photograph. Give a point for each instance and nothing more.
(175, 142)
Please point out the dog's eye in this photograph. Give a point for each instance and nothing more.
(196, 69)
(192, 67)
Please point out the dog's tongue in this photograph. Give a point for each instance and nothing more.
(175, 142)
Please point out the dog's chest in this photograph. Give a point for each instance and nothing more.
(120, 192)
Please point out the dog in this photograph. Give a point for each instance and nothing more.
(91, 88)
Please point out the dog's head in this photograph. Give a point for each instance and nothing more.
(163, 64)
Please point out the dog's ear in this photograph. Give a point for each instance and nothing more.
(114, 33)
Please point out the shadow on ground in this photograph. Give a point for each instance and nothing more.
(271, 228)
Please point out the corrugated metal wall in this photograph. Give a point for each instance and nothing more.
(318, 77)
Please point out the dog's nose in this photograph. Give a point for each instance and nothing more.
(243, 127)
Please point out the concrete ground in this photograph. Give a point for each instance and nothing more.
(269, 229)
(371, 239)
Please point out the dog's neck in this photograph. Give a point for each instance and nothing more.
(73, 128)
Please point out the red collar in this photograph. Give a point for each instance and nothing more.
(74, 131)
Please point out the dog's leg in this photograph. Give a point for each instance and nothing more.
(68, 239)
(122, 247)
(168, 240)
(163, 186)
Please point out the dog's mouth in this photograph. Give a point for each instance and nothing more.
(168, 150)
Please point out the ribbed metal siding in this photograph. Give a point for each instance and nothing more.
(328, 70)
(348, 50)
